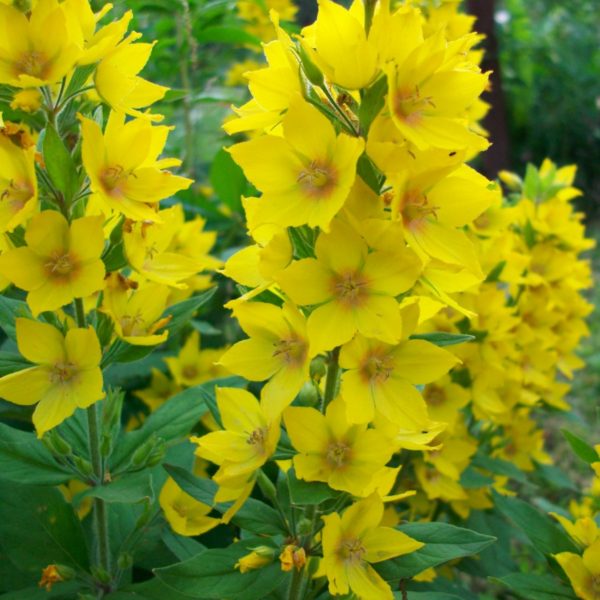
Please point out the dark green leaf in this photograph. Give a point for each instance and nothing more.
(11, 362)
(59, 164)
(227, 180)
(173, 420)
(544, 534)
(308, 492)
(212, 574)
(40, 528)
(371, 103)
(586, 452)
(128, 489)
(10, 309)
(530, 586)
(498, 466)
(181, 313)
(24, 459)
(443, 542)
(369, 173)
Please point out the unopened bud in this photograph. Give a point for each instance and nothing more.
(312, 72)
(260, 557)
(124, 561)
(83, 466)
(318, 368)
(141, 455)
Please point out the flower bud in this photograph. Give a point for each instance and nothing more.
(260, 557)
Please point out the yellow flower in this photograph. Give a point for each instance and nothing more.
(61, 262)
(276, 350)
(292, 557)
(117, 81)
(27, 100)
(67, 375)
(306, 175)
(50, 576)
(584, 531)
(18, 182)
(245, 444)
(347, 457)
(149, 250)
(125, 172)
(352, 542)
(381, 377)
(337, 43)
(136, 313)
(355, 290)
(583, 571)
(193, 366)
(257, 559)
(186, 515)
(38, 50)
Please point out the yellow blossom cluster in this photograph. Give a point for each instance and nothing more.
(83, 235)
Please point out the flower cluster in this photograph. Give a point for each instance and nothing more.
(360, 130)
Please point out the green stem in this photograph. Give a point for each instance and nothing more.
(340, 111)
(100, 513)
(333, 369)
(296, 584)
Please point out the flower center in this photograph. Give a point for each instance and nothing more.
(292, 351)
(317, 179)
(257, 438)
(17, 194)
(338, 454)
(32, 63)
(350, 288)
(409, 105)
(132, 324)
(190, 371)
(60, 264)
(112, 179)
(377, 369)
(435, 395)
(352, 550)
(414, 207)
(63, 372)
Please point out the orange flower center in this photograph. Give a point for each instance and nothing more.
(257, 438)
(190, 371)
(317, 179)
(434, 395)
(112, 179)
(409, 105)
(32, 63)
(338, 454)
(414, 207)
(63, 372)
(377, 369)
(17, 194)
(60, 264)
(350, 288)
(292, 351)
(352, 550)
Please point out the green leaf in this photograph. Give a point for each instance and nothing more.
(369, 173)
(129, 489)
(371, 103)
(545, 536)
(59, 164)
(471, 478)
(182, 547)
(499, 467)
(114, 257)
(212, 574)
(441, 338)
(39, 528)
(24, 459)
(10, 309)
(303, 241)
(530, 586)
(227, 180)
(308, 492)
(227, 35)
(181, 313)
(173, 420)
(254, 516)
(443, 542)
(586, 452)
(11, 362)
(427, 596)
(121, 351)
